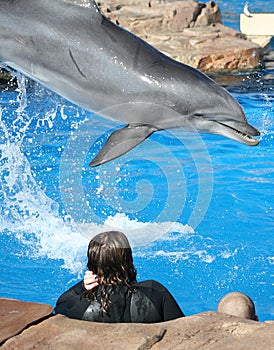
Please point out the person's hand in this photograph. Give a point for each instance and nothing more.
(90, 280)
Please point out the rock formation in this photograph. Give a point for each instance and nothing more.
(188, 31)
(207, 331)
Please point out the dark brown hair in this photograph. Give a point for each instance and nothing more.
(110, 258)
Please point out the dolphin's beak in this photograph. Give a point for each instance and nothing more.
(243, 136)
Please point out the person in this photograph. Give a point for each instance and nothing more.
(238, 304)
(110, 292)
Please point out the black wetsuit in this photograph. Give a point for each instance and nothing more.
(147, 302)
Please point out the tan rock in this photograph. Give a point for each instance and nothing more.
(203, 331)
(140, 18)
(16, 315)
(60, 332)
(210, 14)
(214, 331)
(187, 31)
(210, 49)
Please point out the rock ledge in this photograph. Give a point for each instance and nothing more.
(31, 326)
(188, 31)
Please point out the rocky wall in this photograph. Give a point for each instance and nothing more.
(26, 325)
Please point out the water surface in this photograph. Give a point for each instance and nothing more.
(198, 209)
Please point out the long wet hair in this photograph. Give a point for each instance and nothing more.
(110, 258)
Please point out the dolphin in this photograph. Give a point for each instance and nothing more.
(70, 47)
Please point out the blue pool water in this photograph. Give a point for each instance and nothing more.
(198, 209)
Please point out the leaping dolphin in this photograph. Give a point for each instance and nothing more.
(70, 47)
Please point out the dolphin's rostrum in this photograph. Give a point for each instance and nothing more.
(77, 52)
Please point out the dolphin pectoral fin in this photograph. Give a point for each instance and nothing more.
(121, 141)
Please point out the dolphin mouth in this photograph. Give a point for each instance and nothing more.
(240, 136)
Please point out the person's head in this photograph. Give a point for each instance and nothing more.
(110, 258)
(238, 304)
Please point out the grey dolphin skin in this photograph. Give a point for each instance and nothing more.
(72, 49)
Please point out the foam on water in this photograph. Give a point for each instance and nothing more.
(34, 218)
